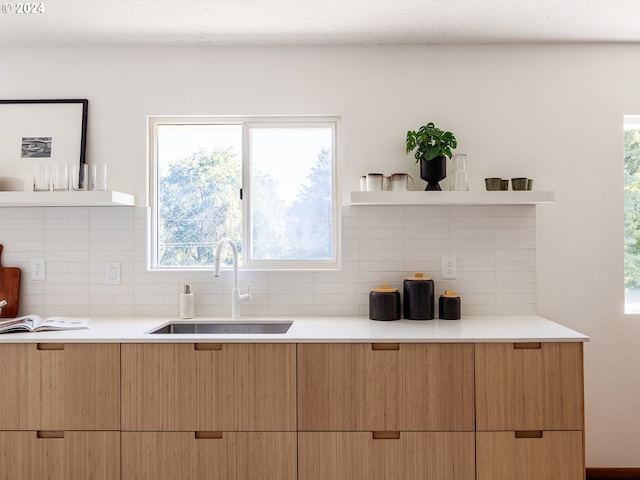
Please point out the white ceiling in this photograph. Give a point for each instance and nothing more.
(319, 22)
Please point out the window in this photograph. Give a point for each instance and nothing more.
(270, 184)
(632, 213)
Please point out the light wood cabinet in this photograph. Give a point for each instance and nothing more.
(404, 387)
(528, 455)
(209, 411)
(58, 455)
(529, 386)
(209, 455)
(61, 411)
(419, 411)
(386, 455)
(529, 411)
(48, 386)
(208, 387)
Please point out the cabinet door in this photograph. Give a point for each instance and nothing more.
(58, 455)
(209, 455)
(178, 386)
(60, 386)
(386, 455)
(177, 455)
(530, 386)
(266, 387)
(219, 387)
(542, 456)
(267, 455)
(353, 387)
(438, 387)
(336, 387)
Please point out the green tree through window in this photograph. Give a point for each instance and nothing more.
(632, 215)
(286, 217)
(198, 205)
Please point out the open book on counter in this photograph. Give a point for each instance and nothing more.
(35, 323)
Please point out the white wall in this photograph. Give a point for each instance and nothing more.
(553, 113)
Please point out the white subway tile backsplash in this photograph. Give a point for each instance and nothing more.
(495, 248)
(31, 213)
(472, 211)
(465, 222)
(429, 211)
(516, 309)
(335, 277)
(427, 267)
(294, 288)
(516, 287)
(59, 288)
(512, 222)
(335, 288)
(472, 244)
(284, 310)
(414, 246)
(380, 265)
(515, 210)
(472, 233)
(516, 276)
(527, 243)
(382, 254)
(502, 265)
(515, 232)
(335, 299)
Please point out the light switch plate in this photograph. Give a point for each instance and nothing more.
(113, 273)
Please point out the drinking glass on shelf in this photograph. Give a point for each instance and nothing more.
(41, 177)
(99, 176)
(60, 177)
(78, 177)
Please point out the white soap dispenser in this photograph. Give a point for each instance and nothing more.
(186, 303)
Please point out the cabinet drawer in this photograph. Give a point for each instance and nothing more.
(60, 386)
(397, 455)
(534, 456)
(531, 386)
(208, 387)
(209, 455)
(366, 387)
(59, 455)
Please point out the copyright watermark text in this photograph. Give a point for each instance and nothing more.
(23, 8)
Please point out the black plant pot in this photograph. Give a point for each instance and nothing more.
(432, 171)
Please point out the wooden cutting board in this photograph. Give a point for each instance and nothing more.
(9, 289)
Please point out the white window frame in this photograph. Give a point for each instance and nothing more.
(247, 122)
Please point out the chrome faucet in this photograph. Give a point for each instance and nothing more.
(236, 297)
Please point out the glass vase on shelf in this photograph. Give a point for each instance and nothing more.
(460, 181)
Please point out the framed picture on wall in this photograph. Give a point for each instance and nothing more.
(40, 131)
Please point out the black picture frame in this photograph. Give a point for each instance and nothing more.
(42, 130)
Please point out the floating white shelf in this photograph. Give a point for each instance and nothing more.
(508, 197)
(67, 199)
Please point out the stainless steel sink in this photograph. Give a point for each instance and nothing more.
(231, 328)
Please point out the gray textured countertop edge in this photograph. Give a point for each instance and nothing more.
(318, 329)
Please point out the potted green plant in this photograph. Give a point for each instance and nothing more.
(432, 148)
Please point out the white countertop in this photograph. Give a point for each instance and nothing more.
(486, 328)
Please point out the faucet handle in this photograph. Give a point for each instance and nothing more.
(249, 292)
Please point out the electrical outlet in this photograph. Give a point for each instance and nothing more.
(449, 267)
(37, 269)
